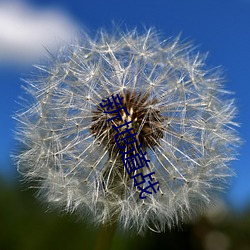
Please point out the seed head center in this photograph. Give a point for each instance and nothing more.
(145, 120)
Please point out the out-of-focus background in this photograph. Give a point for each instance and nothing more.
(28, 28)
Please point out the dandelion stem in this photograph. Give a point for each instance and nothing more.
(105, 236)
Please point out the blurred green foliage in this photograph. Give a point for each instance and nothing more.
(25, 225)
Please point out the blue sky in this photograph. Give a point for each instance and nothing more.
(221, 27)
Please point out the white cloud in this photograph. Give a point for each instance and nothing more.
(25, 31)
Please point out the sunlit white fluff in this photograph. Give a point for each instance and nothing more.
(72, 166)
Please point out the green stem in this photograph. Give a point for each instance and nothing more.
(105, 236)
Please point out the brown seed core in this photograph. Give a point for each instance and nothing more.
(146, 121)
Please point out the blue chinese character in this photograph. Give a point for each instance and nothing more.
(109, 104)
(129, 139)
(117, 102)
(124, 124)
(118, 113)
(145, 189)
(134, 161)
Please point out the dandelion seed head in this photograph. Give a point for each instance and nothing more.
(183, 118)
